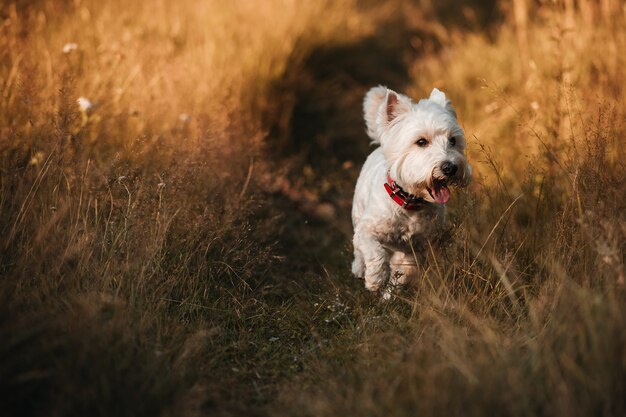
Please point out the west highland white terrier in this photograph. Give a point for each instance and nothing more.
(400, 196)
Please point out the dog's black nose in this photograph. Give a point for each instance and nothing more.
(448, 168)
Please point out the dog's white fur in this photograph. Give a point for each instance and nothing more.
(384, 232)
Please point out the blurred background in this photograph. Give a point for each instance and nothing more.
(175, 187)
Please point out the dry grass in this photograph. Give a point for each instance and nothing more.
(181, 248)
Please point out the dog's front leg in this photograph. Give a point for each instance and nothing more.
(376, 260)
(403, 269)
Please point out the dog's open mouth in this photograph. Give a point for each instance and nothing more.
(440, 191)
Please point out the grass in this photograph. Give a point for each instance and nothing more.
(182, 247)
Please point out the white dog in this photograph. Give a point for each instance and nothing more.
(400, 196)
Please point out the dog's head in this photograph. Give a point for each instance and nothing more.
(423, 144)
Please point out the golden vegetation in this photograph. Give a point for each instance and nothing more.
(175, 182)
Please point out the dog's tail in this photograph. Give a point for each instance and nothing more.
(372, 104)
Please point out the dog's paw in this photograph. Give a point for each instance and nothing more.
(393, 287)
(387, 294)
(358, 268)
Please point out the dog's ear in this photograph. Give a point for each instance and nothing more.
(397, 104)
(371, 104)
(439, 97)
(380, 107)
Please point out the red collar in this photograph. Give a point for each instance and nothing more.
(402, 198)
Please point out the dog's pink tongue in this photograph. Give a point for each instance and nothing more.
(442, 195)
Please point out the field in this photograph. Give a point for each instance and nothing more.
(175, 190)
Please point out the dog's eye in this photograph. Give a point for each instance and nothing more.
(452, 141)
(422, 142)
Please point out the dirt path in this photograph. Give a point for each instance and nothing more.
(324, 144)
